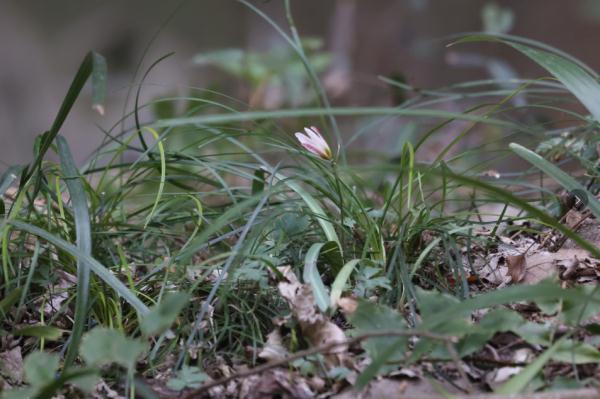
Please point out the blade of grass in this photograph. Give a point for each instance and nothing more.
(83, 242)
(82, 75)
(102, 272)
(519, 382)
(163, 172)
(578, 80)
(557, 174)
(340, 281)
(311, 276)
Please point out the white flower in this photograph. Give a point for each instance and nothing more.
(314, 142)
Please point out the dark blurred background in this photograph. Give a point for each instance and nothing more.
(43, 42)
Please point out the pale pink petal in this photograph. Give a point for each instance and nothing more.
(302, 138)
(312, 133)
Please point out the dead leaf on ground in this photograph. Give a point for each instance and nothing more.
(11, 365)
(276, 383)
(517, 266)
(274, 349)
(316, 327)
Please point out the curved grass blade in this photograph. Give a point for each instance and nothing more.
(557, 174)
(8, 177)
(576, 79)
(505, 196)
(311, 276)
(519, 382)
(224, 271)
(338, 111)
(84, 243)
(99, 73)
(340, 281)
(102, 272)
(315, 208)
(82, 75)
(163, 172)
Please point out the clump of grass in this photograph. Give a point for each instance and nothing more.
(212, 201)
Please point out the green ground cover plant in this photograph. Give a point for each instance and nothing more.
(208, 251)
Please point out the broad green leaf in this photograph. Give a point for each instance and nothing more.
(315, 208)
(536, 334)
(40, 331)
(9, 300)
(187, 377)
(433, 303)
(311, 276)
(583, 86)
(576, 353)
(103, 346)
(373, 317)
(519, 382)
(162, 315)
(557, 174)
(495, 321)
(41, 367)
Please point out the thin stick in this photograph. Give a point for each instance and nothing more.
(313, 351)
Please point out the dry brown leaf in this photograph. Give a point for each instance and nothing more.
(517, 266)
(276, 383)
(316, 327)
(573, 218)
(347, 305)
(274, 349)
(11, 365)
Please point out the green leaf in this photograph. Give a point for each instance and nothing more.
(163, 171)
(9, 300)
(41, 367)
(495, 321)
(84, 243)
(583, 85)
(162, 315)
(373, 317)
(22, 393)
(103, 346)
(311, 276)
(8, 177)
(82, 75)
(557, 174)
(519, 382)
(340, 281)
(536, 334)
(40, 331)
(258, 183)
(187, 377)
(99, 73)
(315, 208)
(570, 73)
(576, 353)
(433, 303)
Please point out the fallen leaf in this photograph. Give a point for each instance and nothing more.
(11, 365)
(347, 305)
(274, 349)
(316, 327)
(277, 383)
(517, 266)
